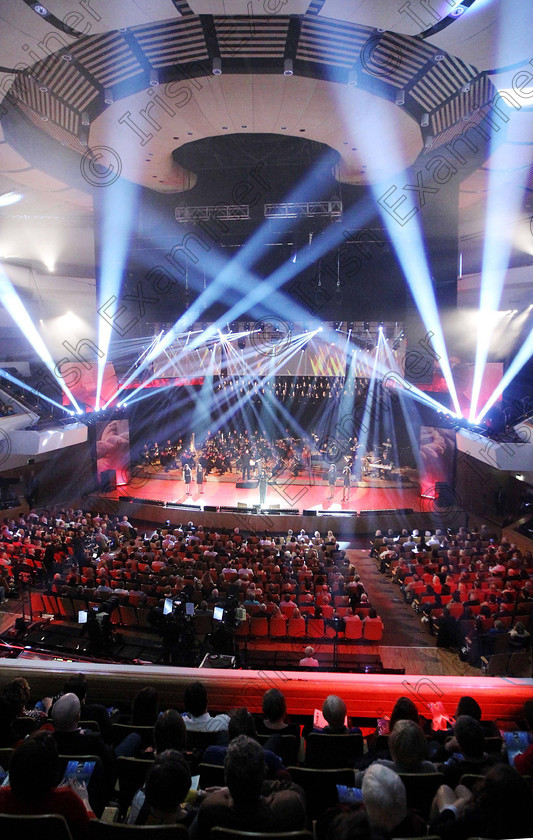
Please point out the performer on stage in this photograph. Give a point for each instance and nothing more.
(262, 488)
(187, 477)
(346, 483)
(245, 464)
(200, 479)
(332, 480)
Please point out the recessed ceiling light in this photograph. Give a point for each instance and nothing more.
(41, 10)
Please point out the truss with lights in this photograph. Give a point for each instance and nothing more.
(289, 210)
(226, 212)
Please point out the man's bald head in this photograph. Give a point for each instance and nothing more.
(66, 713)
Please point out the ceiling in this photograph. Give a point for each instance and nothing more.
(92, 87)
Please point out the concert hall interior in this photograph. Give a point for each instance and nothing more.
(266, 309)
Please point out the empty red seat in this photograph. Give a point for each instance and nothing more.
(278, 626)
(296, 627)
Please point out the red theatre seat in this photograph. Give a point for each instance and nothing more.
(353, 627)
(296, 627)
(372, 629)
(278, 626)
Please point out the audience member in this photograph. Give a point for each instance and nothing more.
(33, 780)
(196, 717)
(245, 804)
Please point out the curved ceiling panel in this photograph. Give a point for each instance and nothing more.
(300, 107)
(26, 37)
(96, 16)
(490, 35)
(407, 18)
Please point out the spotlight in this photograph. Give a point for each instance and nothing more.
(439, 57)
(424, 120)
(458, 11)
(366, 325)
(85, 118)
(41, 10)
(288, 67)
(400, 97)
(428, 142)
(352, 78)
(66, 56)
(154, 78)
(466, 88)
(216, 67)
(9, 198)
(108, 96)
(241, 343)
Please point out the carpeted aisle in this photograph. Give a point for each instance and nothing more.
(402, 626)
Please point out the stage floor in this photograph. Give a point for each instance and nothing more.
(285, 494)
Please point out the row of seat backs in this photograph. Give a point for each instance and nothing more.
(315, 628)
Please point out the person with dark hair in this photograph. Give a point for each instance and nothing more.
(169, 736)
(247, 803)
(33, 780)
(500, 806)
(241, 722)
(17, 695)
(404, 709)
(274, 710)
(145, 707)
(167, 784)
(468, 706)
(169, 732)
(469, 754)
(196, 717)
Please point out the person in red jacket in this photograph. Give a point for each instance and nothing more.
(33, 776)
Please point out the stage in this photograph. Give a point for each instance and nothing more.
(289, 492)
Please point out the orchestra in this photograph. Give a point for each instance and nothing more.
(250, 454)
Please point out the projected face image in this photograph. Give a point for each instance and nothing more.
(436, 454)
(112, 446)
